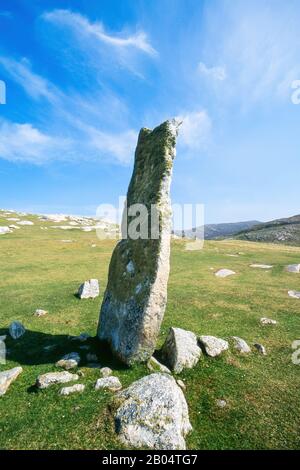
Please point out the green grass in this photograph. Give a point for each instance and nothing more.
(39, 271)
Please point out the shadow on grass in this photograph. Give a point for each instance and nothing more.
(36, 348)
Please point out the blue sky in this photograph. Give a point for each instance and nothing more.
(83, 77)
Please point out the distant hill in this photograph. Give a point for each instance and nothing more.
(213, 231)
(286, 231)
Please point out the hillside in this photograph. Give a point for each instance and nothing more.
(213, 231)
(286, 231)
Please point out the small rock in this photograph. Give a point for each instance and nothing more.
(40, 312)
(109, 383)
(261, 266)
(221, 403)
(213, 346)
(293, 268)
(105, 371)
(260, 348)
(7, 377)
(155, 366)
(224, 273)
(52, 378)
(268, 321)
(89, 289)
(181, 384)
(25, 222)
(72, 389)
(294, 294)
(180, 350)
(4, 230)
(69, 361)
(16, 330)
(241, 345)
(152, 413)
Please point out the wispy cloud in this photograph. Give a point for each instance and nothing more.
(81, 25)
(195, 130)
(216, 72)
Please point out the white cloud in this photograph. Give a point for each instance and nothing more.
(216, 73)
(195, 130)
(118, 146)
(82, 26)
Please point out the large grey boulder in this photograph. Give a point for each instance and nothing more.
(89, 289)
(110, 383)
(69, 361)
(7, 377)
(181, 350)
(153, 413)
(213, 346)
(76, 388)
(16, 330)
(52, 378)
(135, 299)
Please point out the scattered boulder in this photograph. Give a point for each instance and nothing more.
(224, 273)
(221, 403)
(261, 266)
(260, 348)
(155, 366)
(16, 330)
(69, 361)
(180, 350)
(4, 230)
(77, 388)
(89, 289)
(130, 319)
(7, 377)
(105, 371)
(241, 345)
(25, 222)
(213, 346)
(40, 312)
(153, 413)
(110, 383)
(293, 268)
(52, 378)
(294, 294)
(268, 321)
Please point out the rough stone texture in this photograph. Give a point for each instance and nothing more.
(261, 266)
(136, 294)
(293, 268)
(89, 289)
(40, 312)
(69, 361)
(109, 383)
(268, 321)
(77, 388)
(294, 294)
(213, 346)
(224, 273)
(260, 348)
(241, 345)
(105, 371)
(153, 413)
(16, 330)
(180, 350)
(52, 378)
(7, 377)
(155, 366)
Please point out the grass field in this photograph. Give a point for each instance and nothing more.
(38, 270)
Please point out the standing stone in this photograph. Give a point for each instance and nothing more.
(136, 295)
(16, 330)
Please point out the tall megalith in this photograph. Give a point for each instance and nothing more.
(136, 294)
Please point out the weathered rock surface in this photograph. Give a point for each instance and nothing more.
(7, 377)
(111, 383)
(153, 413)
(106, 371)
(268, 321)
(293, 268)
(155, 366)
(52, 378)
(69, 361)
(213, 346)
(241, 345)
(89, 289)
(260, 348)
(181, 350)
(136, 293)
(77, 388)
(224, 273)
(294, 294)
(16, 330)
